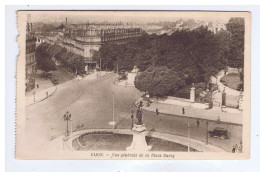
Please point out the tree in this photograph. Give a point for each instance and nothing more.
(236, 26)
(44, 61)
(159, 81)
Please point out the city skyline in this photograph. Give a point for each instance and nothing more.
(128, 17)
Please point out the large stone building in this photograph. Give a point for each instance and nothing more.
(85, 39)
(30, 66)
(216, 26)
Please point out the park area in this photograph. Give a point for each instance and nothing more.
(231, 80)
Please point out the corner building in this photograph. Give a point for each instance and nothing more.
(30, 60)
(85, 39)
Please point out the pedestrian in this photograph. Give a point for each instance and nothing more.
(157, 111)
(132, 117)
(239, 149)
(141, 103)
(183, 111)
(218, 119)
(236, 148)
(46, 93)
(37, 86)
(233, 149)
(198, 123)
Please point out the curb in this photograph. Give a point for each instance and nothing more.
(43, 98)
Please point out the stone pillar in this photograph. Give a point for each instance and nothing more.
(240, 102)
(223, 102)
(192, 94)
(139, 142)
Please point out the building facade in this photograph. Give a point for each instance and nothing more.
(217, 26)
(85, 39)
(30, 59)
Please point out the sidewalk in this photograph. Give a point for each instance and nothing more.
(40, 95)
(208, 114)
(42, 82)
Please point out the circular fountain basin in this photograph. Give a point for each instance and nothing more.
(109, 141)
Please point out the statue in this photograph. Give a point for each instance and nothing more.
(139, 143)
(139, 113)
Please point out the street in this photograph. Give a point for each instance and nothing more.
(90, 103)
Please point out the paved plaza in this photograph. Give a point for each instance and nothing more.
(90, 103)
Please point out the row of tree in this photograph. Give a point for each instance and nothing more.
(45, 52)
(169, 62)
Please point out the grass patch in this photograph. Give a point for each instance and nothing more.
(231, 80)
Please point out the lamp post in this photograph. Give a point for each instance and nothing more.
(67, 117)
(113, 122)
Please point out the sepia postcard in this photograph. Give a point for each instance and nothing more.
(115, 85)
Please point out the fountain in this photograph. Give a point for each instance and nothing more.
(139, 142)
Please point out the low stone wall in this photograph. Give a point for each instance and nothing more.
(232, 70)
(183, 102)
(232, 101)
(175, 101)
(200, 105)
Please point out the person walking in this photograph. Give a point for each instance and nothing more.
(236, 148)
(46, 93)
(218, 119)
(183, 111)
(37, 85)
(157, 111)
(233, 149)
(198, 123)
(132, 117)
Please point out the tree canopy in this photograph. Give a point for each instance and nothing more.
(164, 80)
(73, 61)
(236, 26)
(192, 55)
(44, 61)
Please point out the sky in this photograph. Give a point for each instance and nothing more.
(75, 17)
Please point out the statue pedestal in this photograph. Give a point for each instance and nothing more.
(139, 142)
